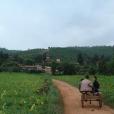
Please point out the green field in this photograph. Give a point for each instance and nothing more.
(18, 94)
(106, 82)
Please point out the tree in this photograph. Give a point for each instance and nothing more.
(69, 69)
(95, 59)
(38, 59)
(92, 70)
(80, 59)
(102, 65)
(10, 66)
(29, 61)
(3, 57)
(54, 67)
(110, 66)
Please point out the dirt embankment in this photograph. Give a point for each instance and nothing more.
(72, 104)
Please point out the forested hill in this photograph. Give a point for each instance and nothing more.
(4, 50)
(99, 59)
(66, 54)
(31, 56)
(23, 52)
(71, 53)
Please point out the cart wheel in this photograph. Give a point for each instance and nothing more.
(100, 103)
(82, 103)
(90, 101)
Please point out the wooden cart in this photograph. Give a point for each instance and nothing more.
(90, 96)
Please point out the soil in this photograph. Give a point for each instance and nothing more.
(72, 104)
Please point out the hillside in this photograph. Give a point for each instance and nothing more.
(70, 53)
(99, 59)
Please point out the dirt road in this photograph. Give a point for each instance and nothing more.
(72, 104)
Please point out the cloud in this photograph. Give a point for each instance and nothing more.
(39, 23)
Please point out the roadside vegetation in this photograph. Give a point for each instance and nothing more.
(22, 93)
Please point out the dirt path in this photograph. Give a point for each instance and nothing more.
(71, 101)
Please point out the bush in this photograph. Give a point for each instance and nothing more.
(92, 70)
(69, 69)
(10, 67)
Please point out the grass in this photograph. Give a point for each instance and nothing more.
(106, 82)
(54, 102)
(18, 94)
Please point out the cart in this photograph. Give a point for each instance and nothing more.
(90, 96)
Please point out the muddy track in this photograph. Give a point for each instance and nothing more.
(72, 104)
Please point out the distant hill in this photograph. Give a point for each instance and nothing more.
(30, 52)
(80, 60)
(70, 53)
(31, 56)
(4, 50)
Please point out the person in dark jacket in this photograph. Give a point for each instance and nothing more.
(96, 85)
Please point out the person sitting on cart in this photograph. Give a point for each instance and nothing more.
(80, 83)
(96, 86)
(86, 85)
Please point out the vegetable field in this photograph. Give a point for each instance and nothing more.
(22, 93)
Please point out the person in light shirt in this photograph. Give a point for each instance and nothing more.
(86, 84)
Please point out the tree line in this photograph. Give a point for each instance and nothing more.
(73, 60)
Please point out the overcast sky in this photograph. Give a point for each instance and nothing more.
(26, 24)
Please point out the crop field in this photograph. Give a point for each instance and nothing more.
(22, 93)
(106, 85)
